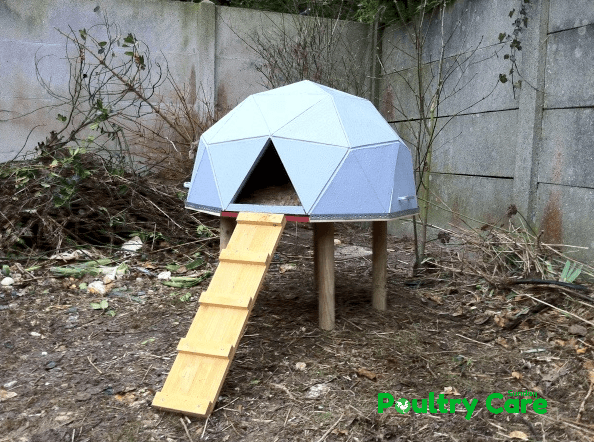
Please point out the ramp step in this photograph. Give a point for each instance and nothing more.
(240, 302)
(244, 257)
(261, 219)
(218, 350)
(188, 405)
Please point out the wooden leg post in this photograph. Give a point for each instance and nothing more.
(380, 264)
(227, 227)
(324, 267)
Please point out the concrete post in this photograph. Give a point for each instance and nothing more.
(534, 54)
(206, 78)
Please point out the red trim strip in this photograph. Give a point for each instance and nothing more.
(296, 218)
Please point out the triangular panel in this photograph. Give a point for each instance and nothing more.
(404, 182)
(319, 124)
(204, 189)
(337, 93)
(304, 87)
(349, 192)
(362, 122)
(215, 128)
(247, 122)
(309, 166)
(199, 152)
(379, 164)
(278, 110)
(232, 161)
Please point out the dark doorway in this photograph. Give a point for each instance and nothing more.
(268, 183)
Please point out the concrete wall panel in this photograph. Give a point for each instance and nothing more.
(567, 14)
(477, 144)
(567, 155)
(565, 215)
(569, 68)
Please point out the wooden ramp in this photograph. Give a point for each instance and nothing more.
(205, 354)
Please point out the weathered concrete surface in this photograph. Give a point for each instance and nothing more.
(569, 68)
(471, 86)
(476, 144)
(567, 155)
(477, 200)
(565, 215)
(567, 14)
(241, 31)
(470, 24)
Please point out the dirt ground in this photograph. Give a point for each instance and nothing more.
(72, 373)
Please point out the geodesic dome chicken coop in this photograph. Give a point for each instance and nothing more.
(306, 150)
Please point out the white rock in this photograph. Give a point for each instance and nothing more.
(300, 366)
(132, 245)
(97, 288)
(164, 275)
(10, 384)
(8, 281)
(36, 334)
(337, 242)
(317, 391)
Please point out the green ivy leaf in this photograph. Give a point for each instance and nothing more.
(506, 57)
(503, 78)
(83, 34)
(131, 54)
(502, 36)
(511, 13)
(102, 43)
(130, 39)
(61, 118)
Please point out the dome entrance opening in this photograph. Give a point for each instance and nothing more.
(268, 183)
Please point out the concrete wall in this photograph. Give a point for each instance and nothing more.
(534, 149)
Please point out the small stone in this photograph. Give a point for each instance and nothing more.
(10, 384)
(337, 242)
(82, 397)
(36, 334)
(50, 365)
(8, 281)
(300, 366)
(579, 330)
(141, 293)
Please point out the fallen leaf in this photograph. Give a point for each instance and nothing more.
(435, 298)
(5, 395)
(516, 375)
(559, 342)
(581, 351)
(499, 320)
(127, 398)
(589, 365)
(366, 373)
(591, 375)
(451, 391)
(337, 431)
(579, 330)
(502, 341)
(518, 435)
